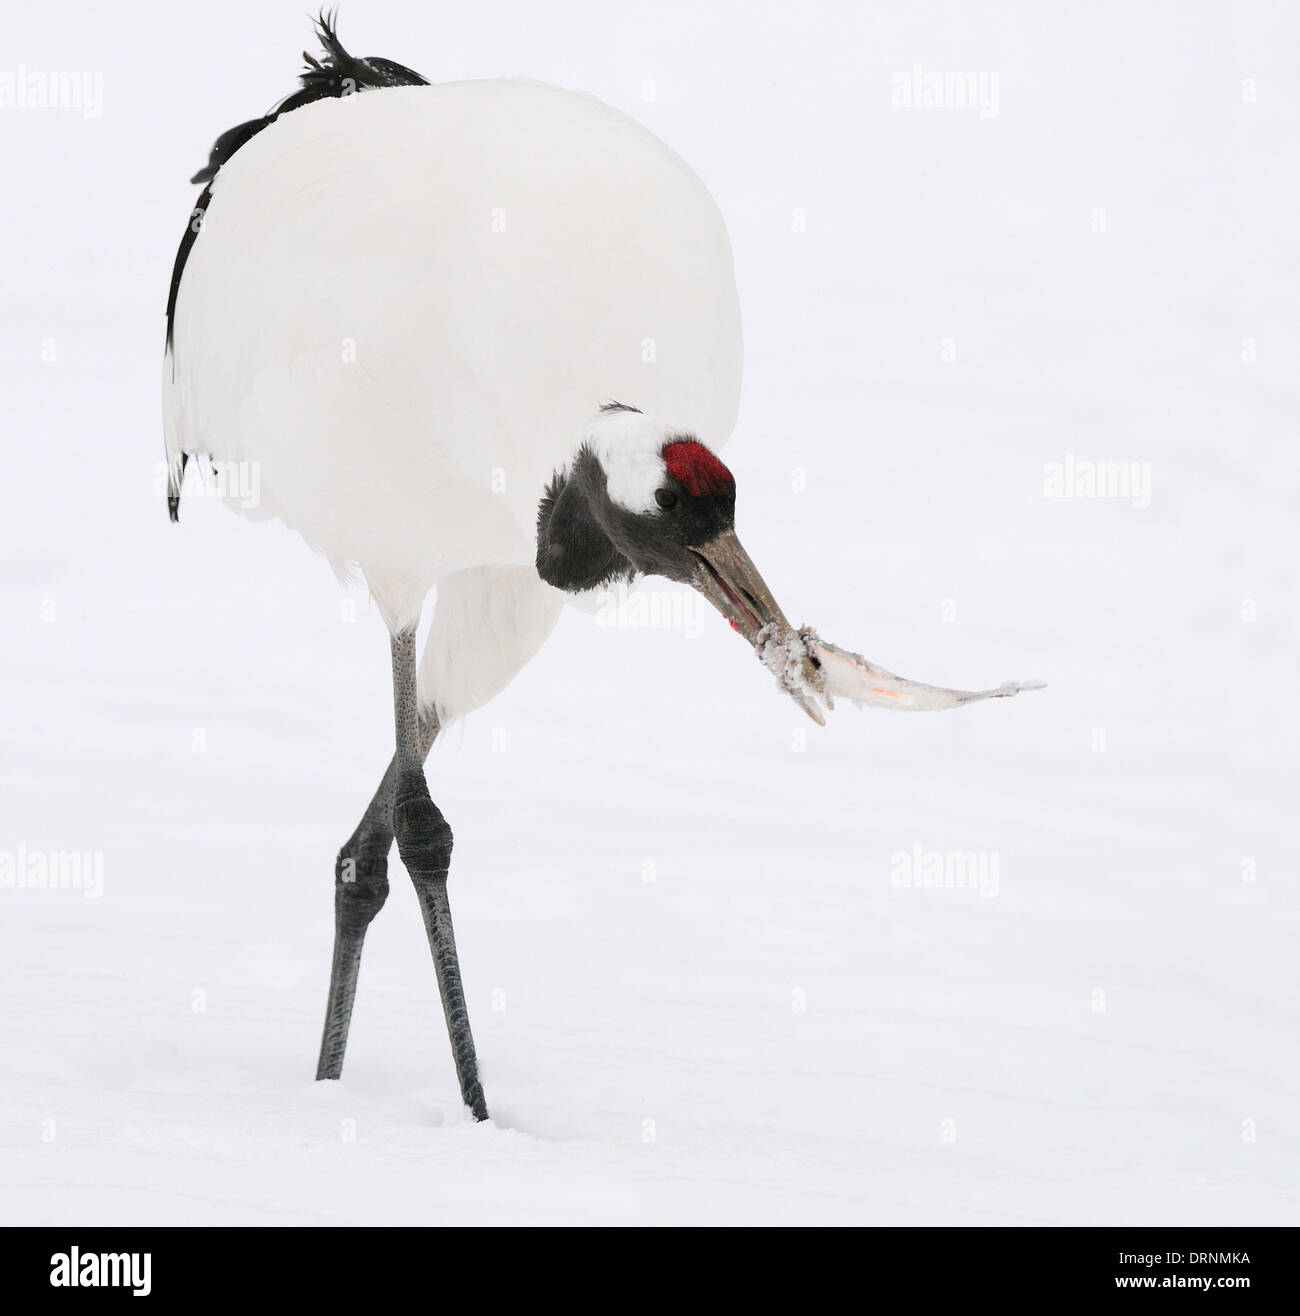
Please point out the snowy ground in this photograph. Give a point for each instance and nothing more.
(699, 992)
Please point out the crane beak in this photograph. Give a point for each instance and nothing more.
(730, 581)
(728, 578)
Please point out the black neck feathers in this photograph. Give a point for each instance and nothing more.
(573, 551)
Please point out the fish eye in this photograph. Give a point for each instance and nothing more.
(666, 498)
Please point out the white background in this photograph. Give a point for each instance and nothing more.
(953, 1062)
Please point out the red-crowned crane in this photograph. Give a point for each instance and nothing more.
(422, 314)
(403, 307)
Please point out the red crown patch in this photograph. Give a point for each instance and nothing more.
(696, 469)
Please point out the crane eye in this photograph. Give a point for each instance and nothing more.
(666, 498)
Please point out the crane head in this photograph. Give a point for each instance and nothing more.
(641, 497)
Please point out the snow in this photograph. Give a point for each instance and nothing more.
(710, 976)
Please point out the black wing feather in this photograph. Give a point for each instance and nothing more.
(337, 74)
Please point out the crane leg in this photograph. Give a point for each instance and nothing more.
(360, 889)
(424, 844)
(402, 807)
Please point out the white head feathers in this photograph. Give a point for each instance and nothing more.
(628, 446)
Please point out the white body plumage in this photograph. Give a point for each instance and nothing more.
(404, 304)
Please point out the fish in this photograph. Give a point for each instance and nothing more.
(814, 673)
